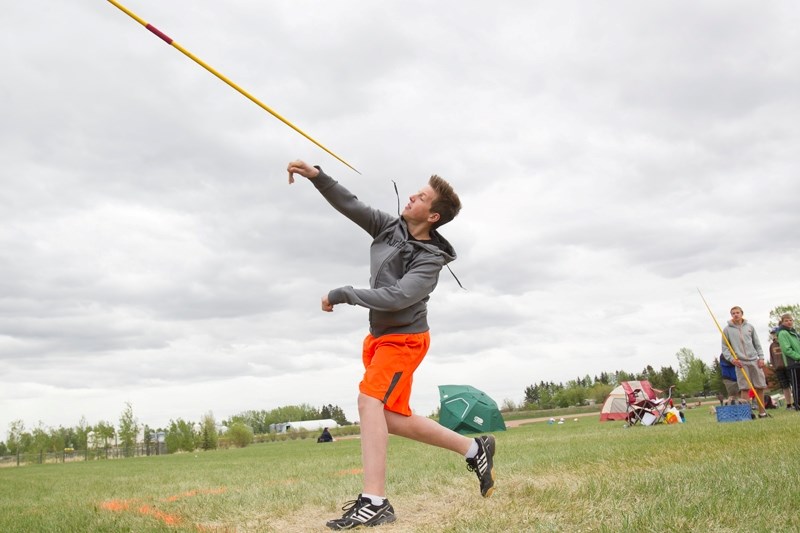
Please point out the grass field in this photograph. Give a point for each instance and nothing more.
(579, 476)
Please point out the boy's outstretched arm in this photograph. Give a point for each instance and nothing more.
(310, 172)
(302, 168)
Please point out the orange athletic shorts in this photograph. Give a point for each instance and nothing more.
(390, 362)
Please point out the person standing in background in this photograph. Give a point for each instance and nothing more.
(779, 365)
(789, 340)
(749, 359)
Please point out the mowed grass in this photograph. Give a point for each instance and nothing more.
(579, 476)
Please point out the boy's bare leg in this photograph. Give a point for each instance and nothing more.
(377, 423)
(427, 431)
(374, 440)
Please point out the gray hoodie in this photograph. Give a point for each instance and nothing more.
(403, 271)
(744, 341)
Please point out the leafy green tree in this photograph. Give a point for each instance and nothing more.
(3, 449)
(697, 380)
(707, 375)
(621, 375)
(715, 378)
(240, 434)
(26, 443)
(666, 377)
(15, 431)
(546, 400)
(147, 438)
(693, 373)
(600, 391)
(570, 395)
(58, 438)
(180, 436)
(685, 358)
(104, 434)
(775, 314)
(295, 413)
(81, 434)
(208, 432)
(258, 420)
(41, 440)
(128, 429)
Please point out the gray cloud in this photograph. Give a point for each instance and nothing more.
(611, 160)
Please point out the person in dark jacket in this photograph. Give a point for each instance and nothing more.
(325, 436)
(406, 256)
(728, 372)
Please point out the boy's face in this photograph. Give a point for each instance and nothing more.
(736, 316)
(418, 208)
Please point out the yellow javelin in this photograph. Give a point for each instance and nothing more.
(200, 62)
(733, 352)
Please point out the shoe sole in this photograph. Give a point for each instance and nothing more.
(381, 521)
(490, 490)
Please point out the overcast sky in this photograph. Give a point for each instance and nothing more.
(612, 158)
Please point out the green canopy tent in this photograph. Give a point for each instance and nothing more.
(465, 409)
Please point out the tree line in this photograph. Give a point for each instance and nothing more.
(694, 377)
(179, 435)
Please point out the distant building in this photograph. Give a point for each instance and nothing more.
(309, 425)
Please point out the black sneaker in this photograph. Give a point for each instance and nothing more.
(361, 512)
(483, 465)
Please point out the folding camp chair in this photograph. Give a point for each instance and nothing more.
(644, 405)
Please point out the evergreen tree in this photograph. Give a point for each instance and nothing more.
(208, 432)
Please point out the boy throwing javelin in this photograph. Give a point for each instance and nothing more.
(406, 256)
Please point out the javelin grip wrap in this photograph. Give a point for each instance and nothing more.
(163, 36)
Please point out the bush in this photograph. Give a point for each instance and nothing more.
(239, 435)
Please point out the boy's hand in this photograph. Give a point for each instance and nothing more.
(302, 168)
(326, 305)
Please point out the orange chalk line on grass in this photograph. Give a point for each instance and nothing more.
(351, 472)
(119, 506)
